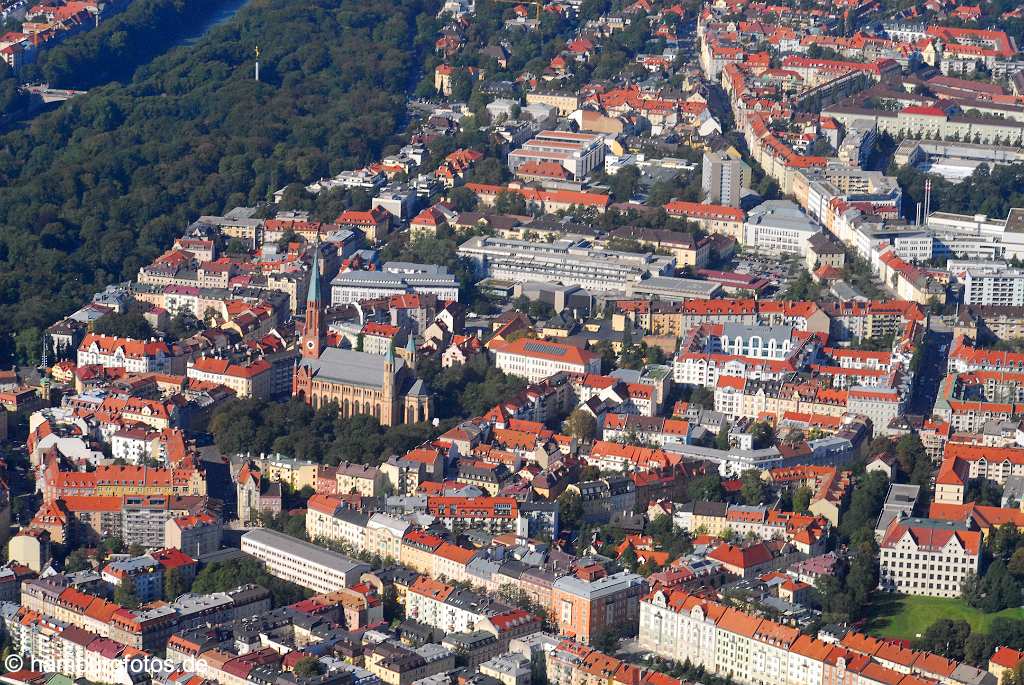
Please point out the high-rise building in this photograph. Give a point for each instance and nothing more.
(722, 178)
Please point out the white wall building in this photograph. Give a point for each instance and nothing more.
(302, 563)
(986, 287)
(535, 360)
(927, 557)
(778, 227)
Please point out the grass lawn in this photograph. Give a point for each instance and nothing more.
(904, 616)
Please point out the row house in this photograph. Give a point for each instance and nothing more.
(447, 608)
(134, 356)
(753, 651)
(491, 514)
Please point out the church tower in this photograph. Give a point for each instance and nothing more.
(312, 339)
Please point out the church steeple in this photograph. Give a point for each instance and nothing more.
(312, 339)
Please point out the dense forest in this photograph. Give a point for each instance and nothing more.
(97, 188)
(119, 44)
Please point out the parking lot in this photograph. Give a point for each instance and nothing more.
(776, 269)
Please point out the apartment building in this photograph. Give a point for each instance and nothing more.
(327, 518)
(361, 479)
(930, 122)
(590, 601)
(134, 356)
(121, 481)
(302, 563)
(252, 379)
(1000, 288)
(753, 651)
(967, 401)
(565, 102)
(928, 557)
(447, 608)
(723, 178)
(195, 535)
(396, 664)
(492, 514)
(713, 218)
(384, 535)
(1004, 323)
(536, 360)
(394, 278)
(417, 551)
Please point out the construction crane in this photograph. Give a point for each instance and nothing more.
(538, 3)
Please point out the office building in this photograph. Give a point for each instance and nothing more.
(394, 278)
(577, 153)
(569, 262)
(778, 227)
(302, 563)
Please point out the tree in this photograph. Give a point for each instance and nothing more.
(862, 578)
(706, 488)
(985, 492)
(462, 85)
(183, 325)
(581, 425)
(722, 439)
(946, 637)
(236, 246)
(607, 639)
(803, 287)
(76, 561)
(99, 220)
(175, 584)
(1016, 563)
(127, 325)
(125, 594)
(702, 397)
(865, 505)
(307, 667)
(222, 576)
(628, 559)
(463, 199)
(28, 346)
(510, 202)
(994, 591)
(570, 510)
(624, 183)
(802, 499)
(913, 460)
(763, 434)
(112, 545)
(753, 489)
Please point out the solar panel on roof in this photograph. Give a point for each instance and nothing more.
(544, 349)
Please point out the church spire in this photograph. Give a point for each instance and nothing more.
(312, 339)
(313, 294)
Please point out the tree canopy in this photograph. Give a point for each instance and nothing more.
(295, 430)
(226, 575)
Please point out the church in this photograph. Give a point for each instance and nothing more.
(360, 382)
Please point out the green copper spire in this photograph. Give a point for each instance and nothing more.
(313, 294)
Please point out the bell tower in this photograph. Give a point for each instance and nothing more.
(312, 338)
